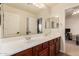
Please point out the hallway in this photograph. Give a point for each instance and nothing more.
(71, 48)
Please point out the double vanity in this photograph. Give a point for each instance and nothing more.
(26, 34)
(48, 48)
(40, 45)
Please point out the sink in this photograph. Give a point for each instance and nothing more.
(13, 39)
(27, 38)
(37, 38)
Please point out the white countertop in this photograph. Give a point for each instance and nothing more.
(10, 46)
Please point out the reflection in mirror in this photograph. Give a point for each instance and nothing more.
(39, 25)
(11, 24)
(57, 22)
(27, 25)
(18, 21)
(0, 15)
(32, 25)
(47, 23)
(52, 25)
(52, 22)
(57, 25)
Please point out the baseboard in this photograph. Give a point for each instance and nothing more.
(62, 51)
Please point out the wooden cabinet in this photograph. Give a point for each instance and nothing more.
(37, 49)
(41, 50)
(49, 48)
(44, 52)
(45, 45)
(52, 48)
(57, 45)
(27, 52)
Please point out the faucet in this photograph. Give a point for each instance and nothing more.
(28, 32)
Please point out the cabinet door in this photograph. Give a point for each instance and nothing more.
(51, 42)
(11, 24)
(52, 50)
(37, 49)
(57, 45)
(44, 52)
(27, 52)
(45, 45)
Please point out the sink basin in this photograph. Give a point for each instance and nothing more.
(37, 38)
(13, 39)
(27, 38)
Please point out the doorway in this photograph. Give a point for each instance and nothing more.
(72, 30)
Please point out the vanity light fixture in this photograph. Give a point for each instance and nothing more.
(56, 16)
(76, 12)
(39, 5)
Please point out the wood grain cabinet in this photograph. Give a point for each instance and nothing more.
(49, 48)
(37, 49)
(27, 52)
(52, 48)
(41, 50)
(45, 50)
(57, 45)
(45, 45)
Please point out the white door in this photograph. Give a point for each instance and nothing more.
(11, 24)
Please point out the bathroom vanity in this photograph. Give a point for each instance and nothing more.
(25, 34)
(48, 48)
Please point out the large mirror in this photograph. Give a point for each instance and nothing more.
(47, 23)
(18, 22)
(20, 19)
(15, 26)
(52, 23)
(0, 16)
(39, 25)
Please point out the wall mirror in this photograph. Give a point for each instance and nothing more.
(20, 19)
(18, 22)
(15, 26)
(39, 25)
(47, 23)
(0, 15)
(52, 23)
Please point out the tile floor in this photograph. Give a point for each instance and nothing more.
(62, 54)
(71, 48)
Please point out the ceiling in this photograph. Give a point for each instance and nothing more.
(31, 8)
(70, 11)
